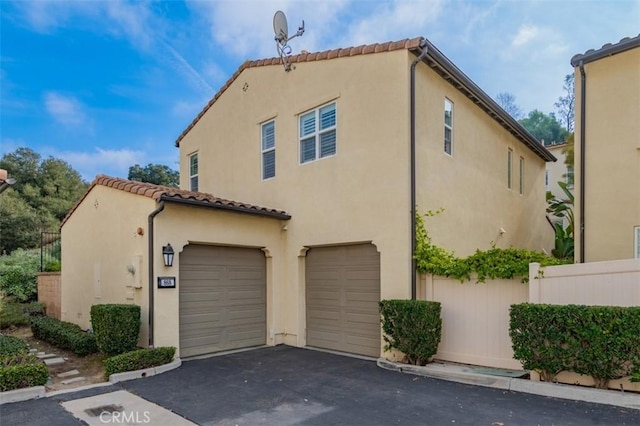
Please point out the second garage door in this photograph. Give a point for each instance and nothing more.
(222, 299)
(342, 295)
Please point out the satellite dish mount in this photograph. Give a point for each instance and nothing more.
(282, 38)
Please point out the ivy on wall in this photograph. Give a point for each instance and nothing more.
(496, 263)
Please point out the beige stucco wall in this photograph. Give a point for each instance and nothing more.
(612, 137)
(557, 171)
(100, 240)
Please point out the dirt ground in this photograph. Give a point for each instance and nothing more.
(90, 367)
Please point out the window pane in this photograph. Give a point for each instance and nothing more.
(307, 149)
(328, 143)
(448, 112)
(447, 140)
(509, 154)
(194, 183)
(268, 135)
(327, 116)
(269, 164)
(308, 123)
(193, 165)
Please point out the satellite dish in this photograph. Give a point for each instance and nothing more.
(281, 30)
(280, 27)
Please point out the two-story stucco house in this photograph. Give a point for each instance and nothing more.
(607, 152)
(342, 149)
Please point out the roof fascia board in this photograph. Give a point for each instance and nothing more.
(608, 50)
(206, 204)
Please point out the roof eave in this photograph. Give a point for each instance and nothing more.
(454, 76)
(607, 50)
(221, 206)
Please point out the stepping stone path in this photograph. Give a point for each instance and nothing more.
(69, 373)
(53, 359)
(42, 355)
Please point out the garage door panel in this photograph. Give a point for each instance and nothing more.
(222, 299)
(342, 296)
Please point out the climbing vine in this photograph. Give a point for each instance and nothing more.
(496, 263)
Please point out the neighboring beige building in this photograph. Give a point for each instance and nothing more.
(330, 143)
(607, 152)
(558, 171)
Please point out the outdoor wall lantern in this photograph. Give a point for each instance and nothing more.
(167, 254)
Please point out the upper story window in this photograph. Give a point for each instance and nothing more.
(546, 180)
(509, 167)
(570, 177)
(636, 231)
(268, 149)
(193, 172)
(521, 186)
(318, 133)
(448, 126)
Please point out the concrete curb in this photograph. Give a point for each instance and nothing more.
(554, 390)
(23, 394)
(147, 372)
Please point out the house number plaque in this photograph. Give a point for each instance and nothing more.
(166, 282)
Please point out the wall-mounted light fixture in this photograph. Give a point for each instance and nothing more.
(167, 254)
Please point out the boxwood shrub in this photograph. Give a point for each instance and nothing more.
(63, 335)
(413, 327)
(116, 327)
(21, 371)
(10, 345)
(600, 341)
(138, 360)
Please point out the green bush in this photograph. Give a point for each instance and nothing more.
(63, 335)
(116, 327)
(413, 327)
(19, 275)
(22, 371)
(12, 315)
(138, 360)
(53, 266)
(10, 345)
(33, 309)
(600, 341)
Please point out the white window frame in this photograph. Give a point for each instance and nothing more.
(317, 133)
(546, 180)
(448, 103)
(521, 182)
(636, 246)
(509, 168)
(192, 175)
(268, 149)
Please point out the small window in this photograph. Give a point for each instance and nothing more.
(637, 242)
(570, 176)
(268, 150)
(448, 126)
(193, 172)
(318, 133)
(509, 167)
(546, 180)
(521, 187)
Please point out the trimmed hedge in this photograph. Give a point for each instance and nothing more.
(600, 341)
(116, 327)
(63, 335)
(413, 327)
(10, 345)
(138, 360)
(22, 371)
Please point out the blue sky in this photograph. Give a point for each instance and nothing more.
(108, 84)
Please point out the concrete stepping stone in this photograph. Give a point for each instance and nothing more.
(73, 380)
(54, 361)
(44, 356)
(32, 351)
(68, 374)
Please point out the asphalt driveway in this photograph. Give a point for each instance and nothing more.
(288, 386)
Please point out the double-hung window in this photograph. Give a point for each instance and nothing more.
(521, 188)
(268, 149)
(318, 133)
(636, 231)
(193, 172)
(448, 126)
(509, 167)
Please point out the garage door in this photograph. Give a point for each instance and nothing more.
(342, 295)
(222, 299)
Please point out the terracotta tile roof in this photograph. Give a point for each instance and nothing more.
(176, 195)
(306, 57)
(606, 50)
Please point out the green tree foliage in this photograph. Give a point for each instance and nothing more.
(569, 150)
(566, 103)
(44, 192)
(544, 127)
(155, 173)
(563, 209)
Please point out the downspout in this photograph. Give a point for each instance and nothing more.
(583, 107)
(414, 64)
(152, 215)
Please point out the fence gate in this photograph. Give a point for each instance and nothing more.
(49, 251)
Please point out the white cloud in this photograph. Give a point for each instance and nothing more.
(526, 33)
(66, 110)
(185, 68)
(103, 161)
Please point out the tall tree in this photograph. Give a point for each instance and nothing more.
(545, 128)
(566, 104)
(155, 173)
(508, 102)
(44, 192)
